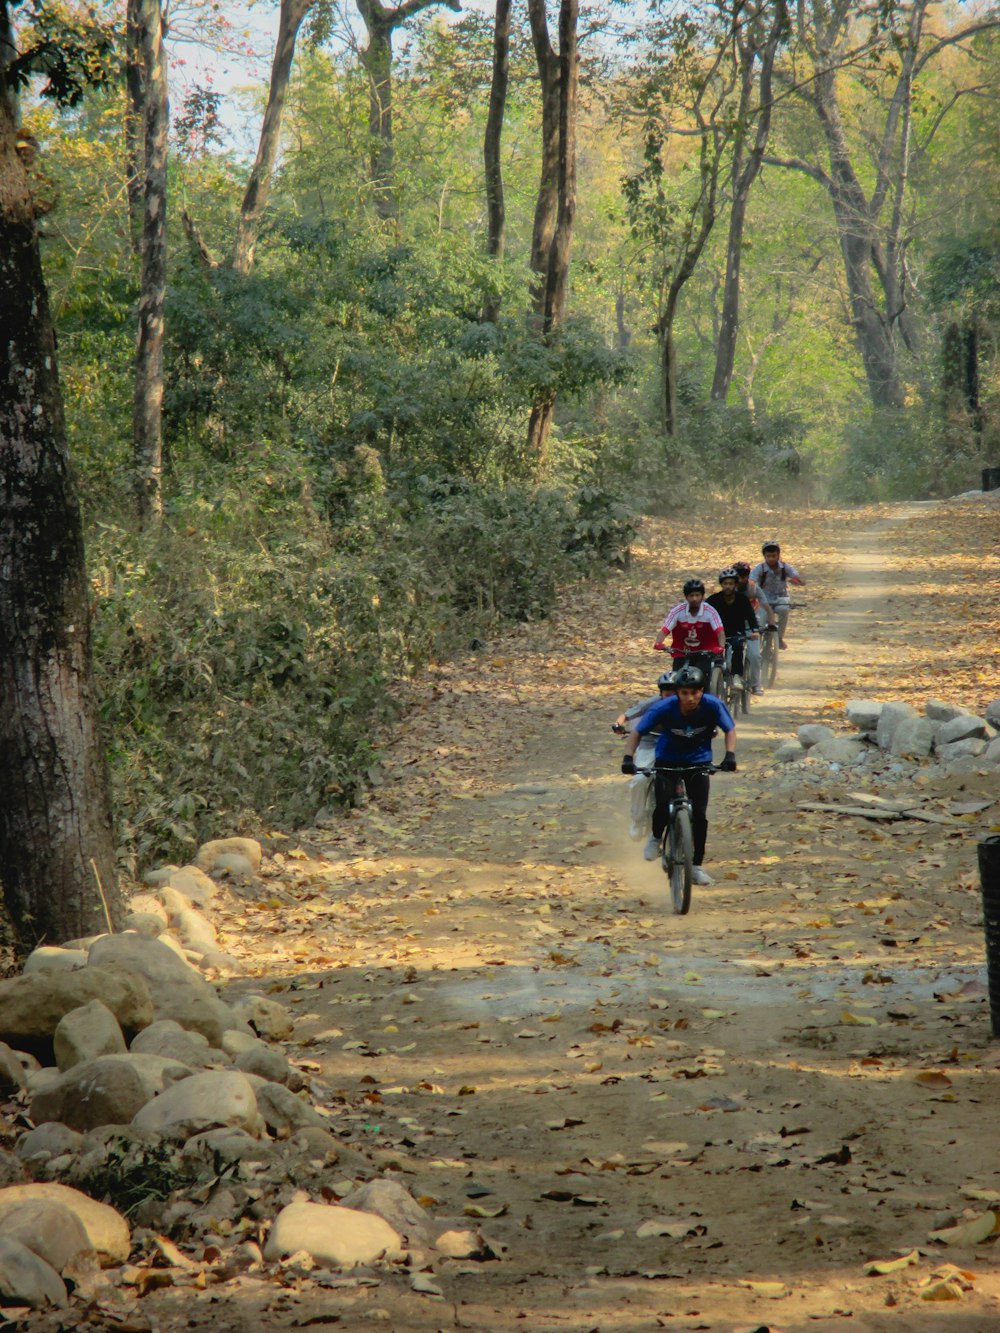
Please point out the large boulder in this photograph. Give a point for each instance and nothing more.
(839, 750)
(50, 1139)
(209, 853)
(49, 958)
(863, 713)
(178, 991)
(394, 1204)
(27, 1280)
(969, 748)
(914, 738)
(789, 752)
(938, 711)
(85, 1034)
(167, 1038)
(337, 1237)
(962, 728)
(106, 1229)
(49, 1229)
(993, 713)
(193, 883)
(268, 1018)
(218, 1098)
(889, 719)
(106, 1091)
(283, 1112)
(12, 1073)
(32, 1005)
(194, 931)
(811, 733)
(991, 755)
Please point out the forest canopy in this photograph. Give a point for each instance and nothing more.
(494, 282)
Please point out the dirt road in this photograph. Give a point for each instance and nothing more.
(711, 1122)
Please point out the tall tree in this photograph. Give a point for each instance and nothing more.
(496, 214)
(547, 201)
(56, 845)
(685, 92)
(557, 258)
(758, 36)
(381, 22)
(290, 17)
(147, 408)
(888, 44)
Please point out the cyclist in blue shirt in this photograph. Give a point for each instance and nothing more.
(686, 724)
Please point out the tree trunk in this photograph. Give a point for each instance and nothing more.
(547, 203)
(496, 235)
(376, 58)
(147, 410)
(857, 241)
(55, 815)
(259, 185)
(745, 172)
(134, 102)
(557, 267)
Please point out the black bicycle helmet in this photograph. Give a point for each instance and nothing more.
(666, 679)
(689, 677)
(741, 568)
(770, 546)
(729, 573)
(693, 585)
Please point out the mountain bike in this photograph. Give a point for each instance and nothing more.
(769, 655)
(677, 841)
(735, 697)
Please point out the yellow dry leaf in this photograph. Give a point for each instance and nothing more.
(966, 1233)
(876, 1267)
(771, 1290)
(858, 1020)
(942, 1291)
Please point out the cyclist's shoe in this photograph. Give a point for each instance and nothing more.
(700, 876)
(652, 848)
(782, 643)
(737, 682)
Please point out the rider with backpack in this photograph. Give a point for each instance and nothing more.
(772, 577)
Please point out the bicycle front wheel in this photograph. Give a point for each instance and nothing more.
(715, 682)
(681, 860)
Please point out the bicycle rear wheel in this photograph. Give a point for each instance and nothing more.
(744, 700)
(770, 663)
(681, 860)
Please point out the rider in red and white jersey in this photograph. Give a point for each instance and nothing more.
(695, 629)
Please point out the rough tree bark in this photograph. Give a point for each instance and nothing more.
(55, 815)
(754, 42)
(547, 203)
(134, 102)
(381, 21)
(255, 197)
(557, 270)
(496, 214)
(147, 408)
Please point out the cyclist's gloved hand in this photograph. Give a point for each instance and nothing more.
(728, 764)
(660, 647)
(628, 764)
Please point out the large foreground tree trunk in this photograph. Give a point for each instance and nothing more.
(496, 213)
(259, 185)
(147, 408)
(55, 821)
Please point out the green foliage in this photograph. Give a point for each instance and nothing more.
(906, 456)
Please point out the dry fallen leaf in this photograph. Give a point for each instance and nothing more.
(971, 1232)
(879, 1266)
